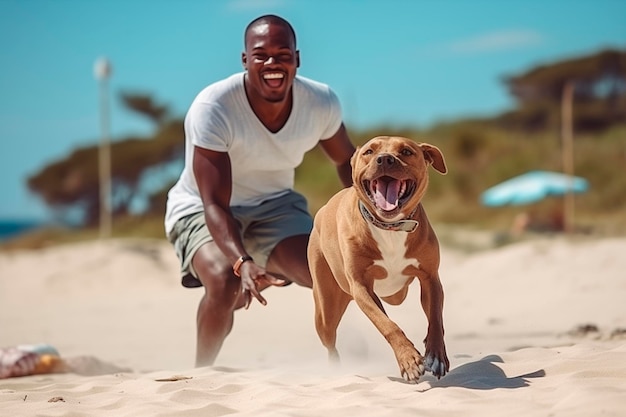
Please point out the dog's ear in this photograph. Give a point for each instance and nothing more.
(353, 157)
(434, 156)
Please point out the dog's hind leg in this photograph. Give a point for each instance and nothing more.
(329, 310)
(330, 302)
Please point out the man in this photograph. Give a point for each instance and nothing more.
(233, 217)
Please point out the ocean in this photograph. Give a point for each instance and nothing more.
(11, 228)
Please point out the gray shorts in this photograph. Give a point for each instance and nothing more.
(262, 228)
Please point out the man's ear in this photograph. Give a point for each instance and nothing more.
(297, 59)
(244, 60)
(434, 156)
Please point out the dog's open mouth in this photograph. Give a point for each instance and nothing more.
(389, 194)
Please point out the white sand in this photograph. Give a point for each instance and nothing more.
(508, 317)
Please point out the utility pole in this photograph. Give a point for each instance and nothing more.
(567, 137)
(102, 72)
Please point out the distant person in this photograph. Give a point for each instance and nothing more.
(521, 224)
(233, 217)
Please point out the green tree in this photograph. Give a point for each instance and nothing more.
(145, 105)
(71, 188)
(599, 95)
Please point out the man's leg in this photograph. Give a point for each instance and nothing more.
(289, 259)
(221, 298)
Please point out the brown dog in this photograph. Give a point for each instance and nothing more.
(371, 240)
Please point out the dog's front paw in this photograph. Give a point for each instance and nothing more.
(437, 364)
(411, 365)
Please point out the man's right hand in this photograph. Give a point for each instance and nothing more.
(254, 279)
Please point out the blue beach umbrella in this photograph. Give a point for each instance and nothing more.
(532, 187)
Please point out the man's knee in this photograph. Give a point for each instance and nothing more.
(219, 282)
(223, 287)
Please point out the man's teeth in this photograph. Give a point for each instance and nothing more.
(273, 76)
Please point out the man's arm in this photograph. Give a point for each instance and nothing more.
(339, 150)
(213, 176)
(212, 171)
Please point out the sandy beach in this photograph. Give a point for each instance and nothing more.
(535, 328)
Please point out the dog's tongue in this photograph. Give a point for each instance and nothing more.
(386, 191)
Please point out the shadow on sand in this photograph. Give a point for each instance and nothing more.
(479, 375)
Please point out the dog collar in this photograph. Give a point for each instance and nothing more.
(408, 226)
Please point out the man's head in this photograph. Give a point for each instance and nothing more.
(270, 57)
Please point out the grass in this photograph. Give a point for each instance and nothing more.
(478, 156)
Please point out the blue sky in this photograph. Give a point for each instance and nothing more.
(408, 63)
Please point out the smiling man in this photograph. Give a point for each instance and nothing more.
(233, 217)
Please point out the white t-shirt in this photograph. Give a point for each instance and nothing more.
(262, 163)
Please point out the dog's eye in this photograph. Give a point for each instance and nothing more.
(368, 152)
(406, 152)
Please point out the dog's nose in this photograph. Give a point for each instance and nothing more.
(385, 159)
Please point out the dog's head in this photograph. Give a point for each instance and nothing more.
(390, 174)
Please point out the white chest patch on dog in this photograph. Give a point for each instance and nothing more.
(391, 246)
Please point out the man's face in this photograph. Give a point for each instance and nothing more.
(271, 60)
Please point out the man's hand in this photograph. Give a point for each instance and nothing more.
(254, 279)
